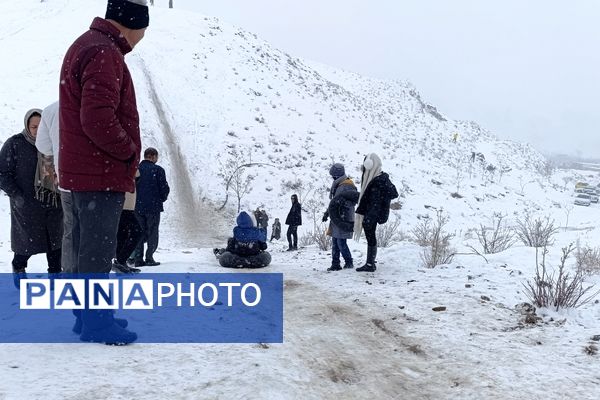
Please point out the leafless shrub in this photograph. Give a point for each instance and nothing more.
(550, 290)
(439, 251)
(587, 259)
(308, 239)
(390, 233)
(319, 237)
(536, 232)
(499, 238)
(423, 233)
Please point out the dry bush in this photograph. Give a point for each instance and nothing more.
(587, 259)
(536, 232)
(390, 233)
(559, 291)
(318, 237)
(499, 238)
(439, 251)
(422, 234)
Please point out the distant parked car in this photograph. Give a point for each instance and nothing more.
(589, 190)
(594, 198)
(583, 199)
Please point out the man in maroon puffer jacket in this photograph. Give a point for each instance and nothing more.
(100, 147)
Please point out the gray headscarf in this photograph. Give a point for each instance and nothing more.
(28, 136)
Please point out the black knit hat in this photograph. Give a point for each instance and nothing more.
(132, 14)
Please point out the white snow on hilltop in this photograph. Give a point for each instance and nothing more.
(212, 96)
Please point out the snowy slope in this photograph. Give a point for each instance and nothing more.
(205, 89)
(210, 93)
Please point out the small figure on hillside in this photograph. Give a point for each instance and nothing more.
(293, 221)
(265, 220)
(246, 249)
(276, 230)
(376, 194)
(258, 217)
(262, 219)
(343, 197)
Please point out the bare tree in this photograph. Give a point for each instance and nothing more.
(235, 178)
(522, 184)
(568, 208)
(170, 3)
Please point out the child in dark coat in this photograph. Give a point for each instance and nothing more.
(246, 249)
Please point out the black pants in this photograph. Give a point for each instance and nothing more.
(292, 232)
(370, 234)
(53, 257)
(95, 222)
(95, 217)
(128, 235)
(149, 224)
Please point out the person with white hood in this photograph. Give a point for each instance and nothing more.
(376, 194)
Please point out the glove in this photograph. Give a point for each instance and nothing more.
(325, 217)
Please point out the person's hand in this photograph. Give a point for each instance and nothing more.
(325, 217)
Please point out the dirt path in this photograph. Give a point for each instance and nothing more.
(356, 354)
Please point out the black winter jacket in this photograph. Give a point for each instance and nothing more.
(35, 227)
(375, 202)
(294, 217)
(152, 188)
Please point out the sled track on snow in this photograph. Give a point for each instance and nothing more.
(192, 213)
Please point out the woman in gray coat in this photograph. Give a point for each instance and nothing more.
(36, 224)
(343, 196)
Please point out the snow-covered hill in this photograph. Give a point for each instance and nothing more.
(212, 95)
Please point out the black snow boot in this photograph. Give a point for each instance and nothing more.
(370, 264)
(335, 266)
(348, 265)
(18, 274)
(113, 335)
(77, 328)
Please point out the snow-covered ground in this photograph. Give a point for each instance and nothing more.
(206, 88)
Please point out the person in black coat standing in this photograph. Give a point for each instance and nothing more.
(36, 224)
(376, 194)
(293, 221)
(152, 191)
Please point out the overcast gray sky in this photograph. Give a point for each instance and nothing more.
(526, 69)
